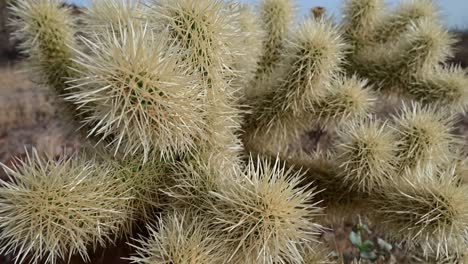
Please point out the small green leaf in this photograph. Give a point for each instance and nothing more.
(367, 246)
(355, 238)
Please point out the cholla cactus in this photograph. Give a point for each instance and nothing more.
(348, 98)
(246, 63)
(425, 139)
(113, 15)
(444, 86)
(317, 254)
(162, 84)
(47, 35)
(180, 238)
(51, 210)
(424, 45)
(430, 213)
(360, 20)
(397, 21)
(265, 215)
(402, 52)
(305, 84)
(193, 181)
(367, 154)
(144, 183)
(207, 40)
(135, 94)
(276, 17)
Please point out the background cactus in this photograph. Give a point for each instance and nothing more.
(47, 35)
(181, 93)
(276, 17)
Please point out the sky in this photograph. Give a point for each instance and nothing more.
(454, 12)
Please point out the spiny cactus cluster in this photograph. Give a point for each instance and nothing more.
(176, 96)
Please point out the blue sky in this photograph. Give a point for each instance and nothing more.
(455, 12)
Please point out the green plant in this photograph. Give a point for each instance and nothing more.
(178, 95)
(370, 250)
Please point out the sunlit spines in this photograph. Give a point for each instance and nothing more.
(392, 67)
(311, 58)
(245, 63)
(310, 61)
(53, 209)
(397, 22)
(179, 238)
(461, 170)
(103, 15)
(195, 178)
(443, 87)
(346, 99)
(277, 17)
(266, 215)
(425, 138)
(203, 31)
(46, 31)
(360, 20)
(428, 214)
(135, 94)
(366, 152)
(425, 45)
(206, 39)
(144, 183)
(221, 139)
